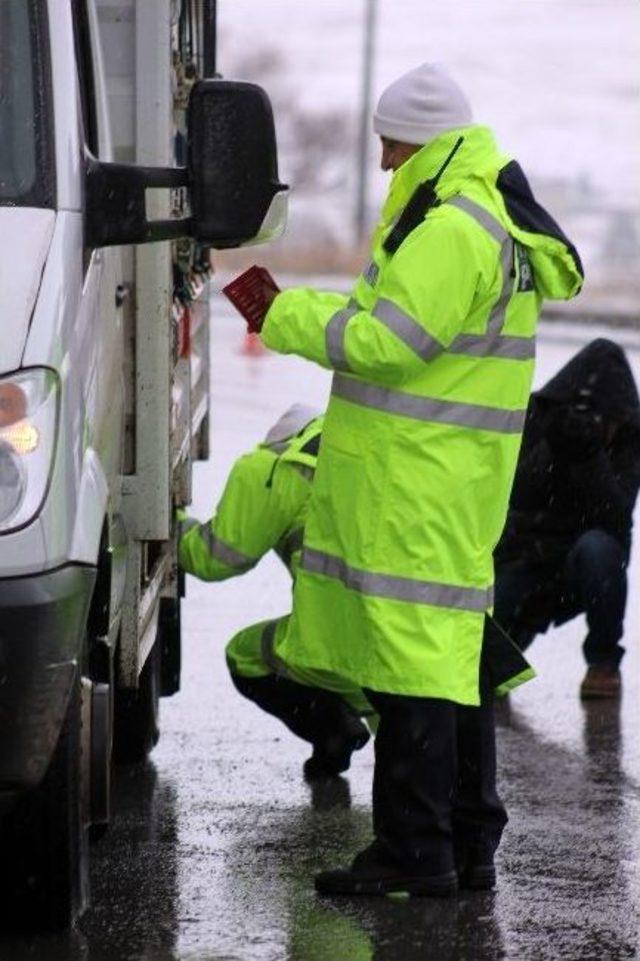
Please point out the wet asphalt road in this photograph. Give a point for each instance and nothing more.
(216, 839)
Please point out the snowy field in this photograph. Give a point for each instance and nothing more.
(558, 80)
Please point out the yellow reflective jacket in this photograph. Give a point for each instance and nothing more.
(263, 507)
(434, 356)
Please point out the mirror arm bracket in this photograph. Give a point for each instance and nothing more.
(115, 204)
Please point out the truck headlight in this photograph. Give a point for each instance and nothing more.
(28, 427)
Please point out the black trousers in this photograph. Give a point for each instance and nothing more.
(434, 790)
(590, 579)
(435, 801)
(310, 713)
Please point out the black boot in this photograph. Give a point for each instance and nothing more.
(321, 717)
(373, 874)
(412, 786)
(343, 733)
(475, 867)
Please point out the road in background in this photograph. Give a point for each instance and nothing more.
(557, 81)
(215, 842)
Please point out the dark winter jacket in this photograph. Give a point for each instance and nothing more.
(579, 465)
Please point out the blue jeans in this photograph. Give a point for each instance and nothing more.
(592, 580)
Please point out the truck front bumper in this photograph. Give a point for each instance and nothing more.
(42, 628)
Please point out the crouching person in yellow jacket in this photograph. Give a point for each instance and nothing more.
(263, 508)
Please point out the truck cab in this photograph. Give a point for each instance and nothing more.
(114, 188)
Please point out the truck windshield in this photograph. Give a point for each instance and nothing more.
(26, 168)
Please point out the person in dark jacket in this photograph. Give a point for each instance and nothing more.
(566, 544)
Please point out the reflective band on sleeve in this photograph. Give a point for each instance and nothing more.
(290, 544)
(370, 274)
(498, 314)
(221, 551)
(479, 345)
(406, 329)
(397, 588)
(494, 343)
(482, 216)
(334, 337)
(474, 416)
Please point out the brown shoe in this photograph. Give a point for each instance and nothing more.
(601, 680)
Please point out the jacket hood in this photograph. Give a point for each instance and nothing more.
(599, 375)
(556, 263)
(480, 168)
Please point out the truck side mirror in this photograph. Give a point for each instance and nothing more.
(236, 197)
(232, 177)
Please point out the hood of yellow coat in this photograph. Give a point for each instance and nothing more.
(479, 168)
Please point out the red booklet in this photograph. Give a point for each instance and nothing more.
(246, 293)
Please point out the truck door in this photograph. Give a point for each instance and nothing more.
(100, 322)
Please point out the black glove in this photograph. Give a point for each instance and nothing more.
(575, 431)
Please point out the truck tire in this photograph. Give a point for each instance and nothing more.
(44, 847)
(135, 730)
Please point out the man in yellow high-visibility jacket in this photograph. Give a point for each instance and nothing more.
(433, 356)
(264, 507)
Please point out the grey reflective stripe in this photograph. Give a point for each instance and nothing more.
(397, 588)
(498, 314)
(493, 343)
(334, 337)
(289, 544)
(370, 274)
(482, 215)
(456, 413)
(479, 345)
(406, 329)
(221, 551)
(267, 650)
(497, 231)
(187, 524)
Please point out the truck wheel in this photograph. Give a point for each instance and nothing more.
(136, 731)
(44, 848)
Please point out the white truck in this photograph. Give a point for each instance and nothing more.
(119, 169)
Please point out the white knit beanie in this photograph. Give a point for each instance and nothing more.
(420, 105)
